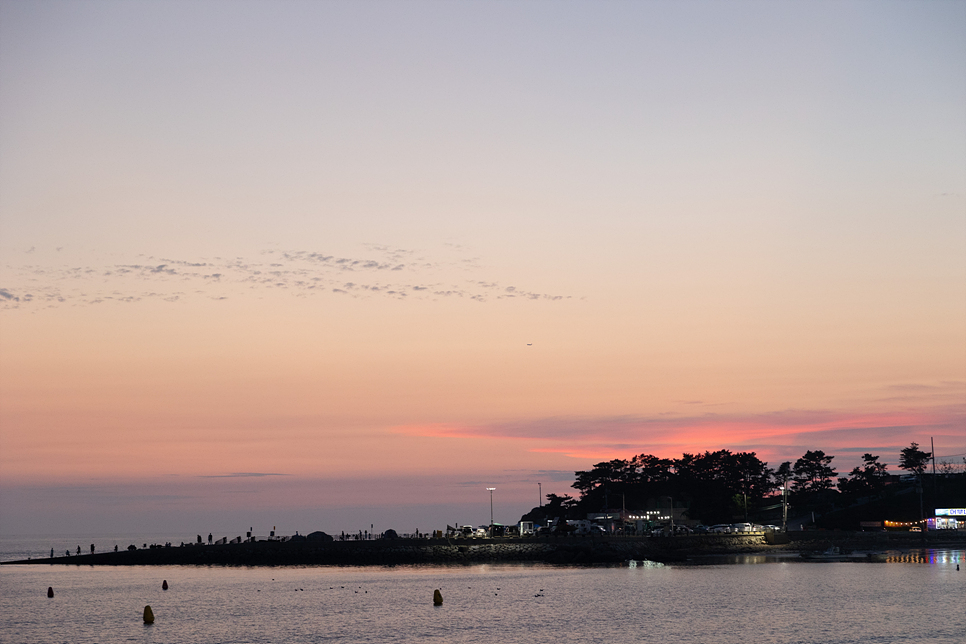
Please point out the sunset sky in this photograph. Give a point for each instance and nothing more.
(327, 265)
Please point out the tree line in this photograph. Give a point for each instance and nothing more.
(718, 486)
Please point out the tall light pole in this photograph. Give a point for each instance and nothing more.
(671, 501)
(785, 506)
(491, 507)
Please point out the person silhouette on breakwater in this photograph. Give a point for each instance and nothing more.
(92, 548)
(51, 553)
(209, 538)
(78, 550)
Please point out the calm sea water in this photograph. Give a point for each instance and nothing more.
(917, 597)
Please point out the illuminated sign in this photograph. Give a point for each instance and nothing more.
(951, 512)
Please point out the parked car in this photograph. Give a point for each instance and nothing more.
(721, 528)
(742, 527)
(666, 531)
(701, 529)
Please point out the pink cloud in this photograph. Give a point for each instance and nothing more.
(775, 436)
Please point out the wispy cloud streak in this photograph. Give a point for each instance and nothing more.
(241, 475)
(387, 272)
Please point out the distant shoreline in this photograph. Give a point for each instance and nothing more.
(559, 550)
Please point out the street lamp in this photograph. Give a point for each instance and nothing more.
(491, 507)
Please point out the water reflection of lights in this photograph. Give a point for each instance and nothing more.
(950, 558)
(931, 557)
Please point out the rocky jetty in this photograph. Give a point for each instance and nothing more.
(562, 550)
(417, 551)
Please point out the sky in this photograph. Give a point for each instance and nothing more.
(333, 265)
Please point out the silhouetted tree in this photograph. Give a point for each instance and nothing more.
(559, 507)
(615, 471)
(914, 460)
(611, 483)
(651, 469)
(782, 475)
(866, 480)
(557, 502)
(610, 476)
(717, 483)
(813, 476)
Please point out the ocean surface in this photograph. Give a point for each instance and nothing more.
(917, 596)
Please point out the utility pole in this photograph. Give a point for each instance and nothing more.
(540, 495)
(491, 507)
(922, 515)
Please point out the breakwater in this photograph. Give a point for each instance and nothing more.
(563, 550)
(417, 551)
